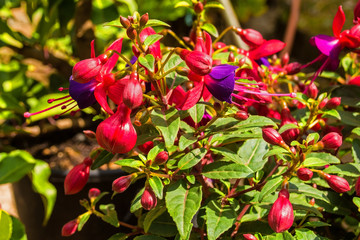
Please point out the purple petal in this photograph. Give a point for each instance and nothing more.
(263, 61)
(83, 93)
(221, 81)
(330, 46)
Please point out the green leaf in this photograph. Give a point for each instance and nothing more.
(356, 131)
(270, 187)
(316, 224)
(186, 140)
(191, 158)
(163, 225)
(252, 153)
(155, 22)
(136, 202)
(152, 215)
(183, 201)
(227, 154)
(347, 169)
(98, 198)
(18, 229)
(15, 165)
(40, 182)
(350, 118)
(130, 163)
(157, 186)
(83, 219)
(197, 112)
(103, 158)
(149, 237)
(356, 201)
(287, 127)
(316, 159)
(210, 28)
(147, 61)
(332, 112)
(155, 151)
(110, 214)
(6, 225)
(306, 234)
(182, 4)
(118, 236)
(219, 218)
(168, 123)
(214, 5)
(151, 39)
(355, 150)
(226, 170)
(307, 190)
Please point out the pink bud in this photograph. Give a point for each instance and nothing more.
(146, 147)
(78, 176)
(120, 184)
(116, 134)
(357, 187)
(94, 193)
(312, 202)
(198, 62)
(285, 59)
(281, 215)
(251, 37)
(162, 157)
(198, 7)
(312, 91)
(241, 115)
(271, 136)
(132, 93)
(331, 140)
(148, 199)
(333, 103)
(287, 118)
(88, 69)
(292, 68)
(69, 228)
(323, 103)
(338, 184)
(249, 236)
(304, 174)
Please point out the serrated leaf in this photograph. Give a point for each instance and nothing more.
(151, 39)
(316, 159)
(6, 225)
(270, 187)
(186, 140)
(110, 214)
(347, 169)
(191, 158)
(226, 170)
(147, 61)
(103, 158)
(182, 4)
(15, 165)
(210, 28)
(157, 186)
(168, 123)
(152, 215)
(214, 5)
(83, 219)
(183, 201)
(155, 22)
(219, 218)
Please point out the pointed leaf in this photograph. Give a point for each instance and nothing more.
(315, 159)
(155, 22)
(15, 165)
(18, 229)
(210, 28)
(110, 214)
(151, 39)
(152, 215)
(157, 186)
(252, 153)
(186, 140)
(183, 201)
(168, 123)
(6, 225)
(182, 4)
(192, 158)
(214, 5)
(155, 151)
(270, 187)
(355, 150)
(83, 219)
(197, 112)
(226, 170)
(347, 169)
(103, 158)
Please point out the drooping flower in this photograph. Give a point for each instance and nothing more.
(281, 215)
(116, 134)
(78, 176)
(132, 93)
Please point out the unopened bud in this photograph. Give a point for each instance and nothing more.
(241, 115)
(146, 147)
(304, 174)
(69, 228)
(89, 134)
(182, 71)
(271, 136)
(148, 199)
(338, 184)
(285, 59)
(312, 91)
(249, 236)
(132, 93)
(323, 103)
(94, 193)
(161, 158)
(331, 140)
(144, 19)
(77, 177)
(251, 37)
(231, 57)
(293, 68)
(125, 22)
(312, 202)
(131, 33)
(120, 184)
(281, 215)
(333, 103)
(198, 7)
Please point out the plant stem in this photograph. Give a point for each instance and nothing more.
(181, 42)
(237, 224)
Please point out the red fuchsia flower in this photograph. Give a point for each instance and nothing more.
(331, 140)
(331, 46)
(357, 187)
(338, 184)
(304, 174)
(116, 134)
(287, 118)
(251, 37)
(120, 184)
(199, 62)
(354, 81)
(93, 193)
(249, 236)
(333, 103)
(148, 199)
(162, 157)
(132, 93)
(281, 215)
(146, 147)
(77, 178)
(70, 228)
(272, 136)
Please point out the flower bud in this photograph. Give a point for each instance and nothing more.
(285, 59)
(231, 57)
(125, 22)
(249, 236)
(241, 115)
(251, 37)
(293, 68)
(281, 215)
(131, 33)
(357, 187)
(312, 91)
(148, 199)
(331, 140)
(162, 157)
(88, 69)
(120, 184)
(198, 7)
(69, 228)
(304, 174)
(312, 202)
(89, 134)
(144, 19)
(116, 134)
(323, 103)
(287, 118)
(146, 147)
(333, 103)
(94, 193)
(77, 177)
(132, 93)
(338, 184)
(271, 136)
(198, 62)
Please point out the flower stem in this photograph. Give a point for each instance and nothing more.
(223, 33)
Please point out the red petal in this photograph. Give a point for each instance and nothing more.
(267, 49)
(185, 100)
(100, 96)
(338, 22)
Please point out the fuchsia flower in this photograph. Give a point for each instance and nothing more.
(272, 136)
(120, 184)
(338, 184)
(132, 93)
(287, 118)
(148, 199)
(281, 215)
(70, 228)
(78, 176)
(304, 174)
(116, 134)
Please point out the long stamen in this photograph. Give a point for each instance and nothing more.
(269, 94)
(27, 114)
(320, 57)
(317, 74)
(58, 115)
(57, 99)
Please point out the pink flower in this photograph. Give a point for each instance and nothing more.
(78, 176)
(251, 37)
(281, 215)
(94, 193)
(120, 184)
(287, 118)
(331, 140)
(162, 157)
(69, 228)
(116, 134)
(198, 62)
(148, 199)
